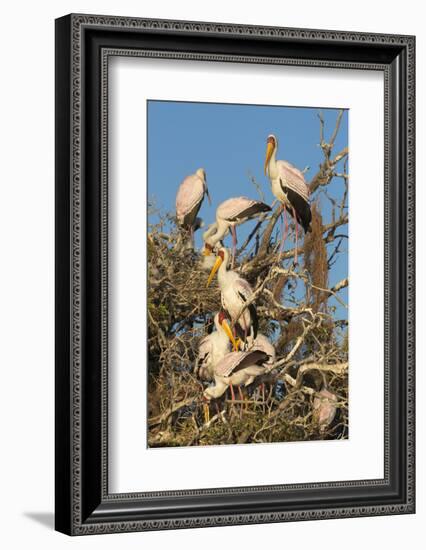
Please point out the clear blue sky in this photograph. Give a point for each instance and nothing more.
(229, 142)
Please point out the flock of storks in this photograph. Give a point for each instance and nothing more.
(235, 354)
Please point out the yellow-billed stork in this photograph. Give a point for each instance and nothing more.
(235, 293)
(189, 197)
(229, 214)
(214, 347)
(289, 187)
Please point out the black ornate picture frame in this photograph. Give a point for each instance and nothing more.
(84, 43)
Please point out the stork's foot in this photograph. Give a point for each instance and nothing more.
(262, 389)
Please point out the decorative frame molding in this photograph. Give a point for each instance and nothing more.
(84, 44)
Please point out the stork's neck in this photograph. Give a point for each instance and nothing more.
(200, 174)
(272, 165)
(216, 321)
(224, 338)
(211, 229)
(217, 390)
(219, 230)
(223, 269)
(218, 325)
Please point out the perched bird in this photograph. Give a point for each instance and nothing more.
(214, 347)
(236, 369)
(324, 408)
(289, 187)
(189, 197)
(235, 293)
(261, 342)
(229, 214)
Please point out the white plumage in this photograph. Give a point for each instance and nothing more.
(235, 293)
(213, 348)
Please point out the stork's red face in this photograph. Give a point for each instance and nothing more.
(272, 140)
(208, 249)
(223, 316)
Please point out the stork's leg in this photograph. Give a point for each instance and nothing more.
(240, 393)
(243, 398)
(284, 230)
(232, 396)
(237, 340)
(217, 409)
(191, 235)
(297, 225)
(246, 329)
(234, 244)
(206, 409)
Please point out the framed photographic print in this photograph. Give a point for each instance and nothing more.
(234, 274)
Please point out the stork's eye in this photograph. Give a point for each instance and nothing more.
(221, 254)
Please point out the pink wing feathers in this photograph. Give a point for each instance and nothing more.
(293, 178)
(240, 208)
(190, 194)
(238, 360)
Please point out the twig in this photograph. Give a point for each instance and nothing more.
(165, 415)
